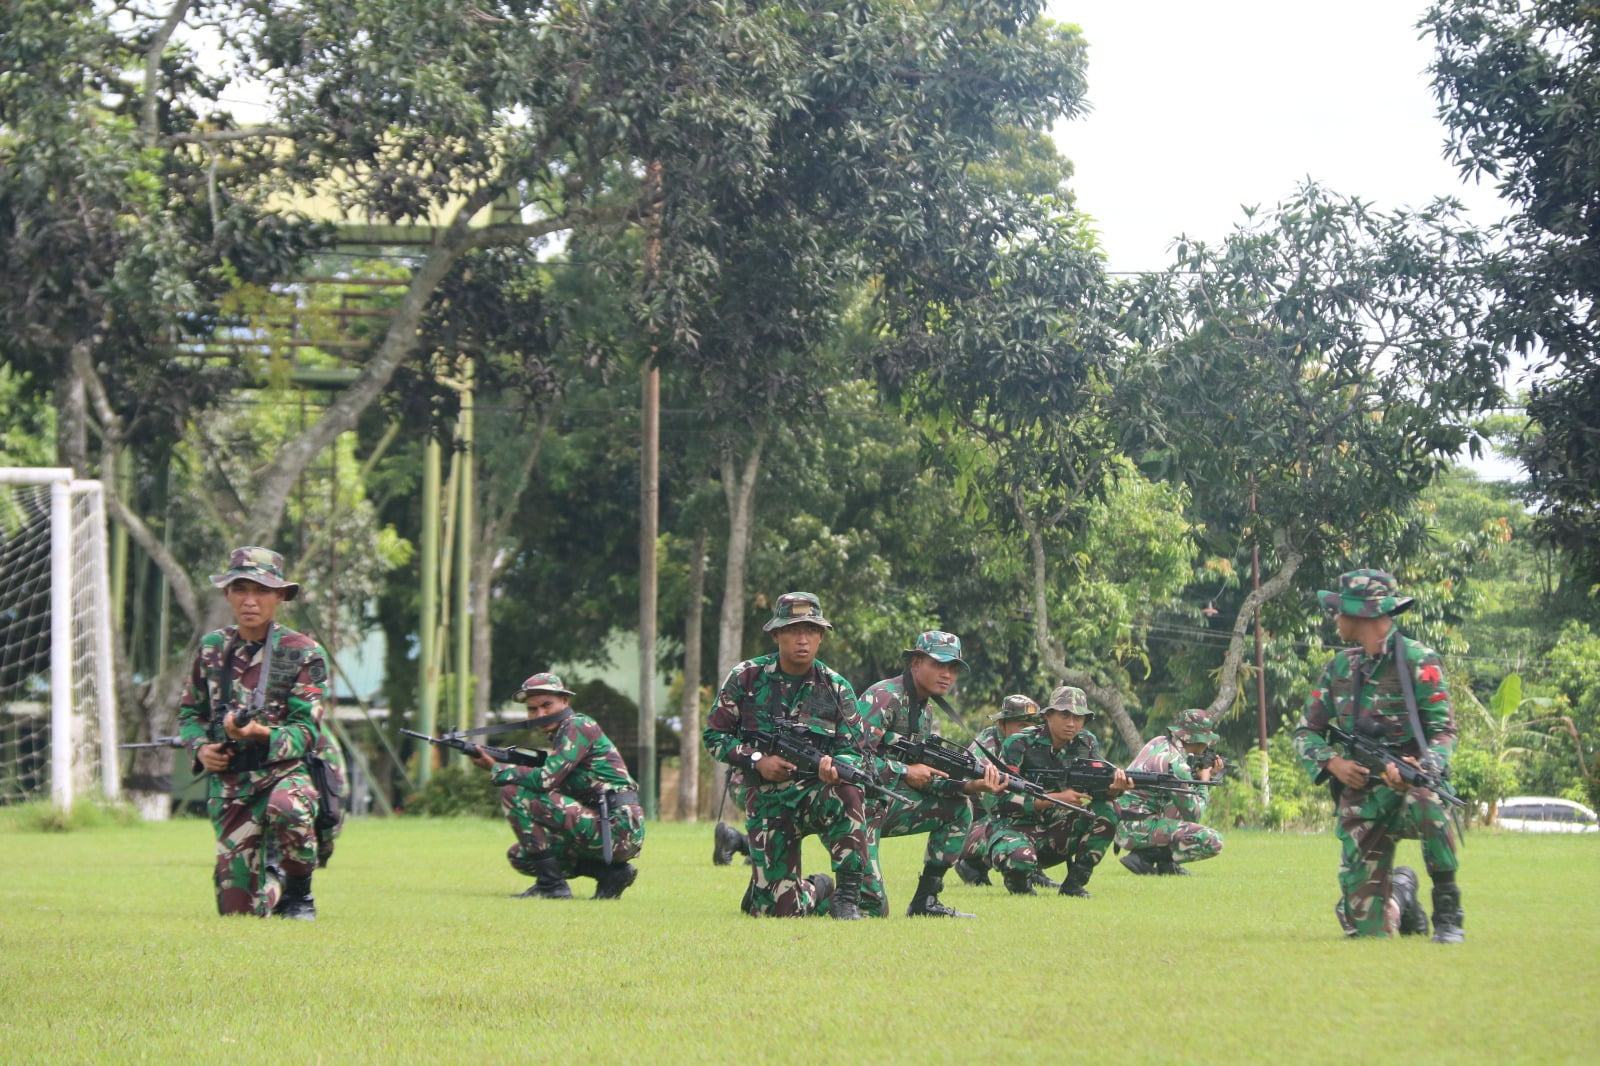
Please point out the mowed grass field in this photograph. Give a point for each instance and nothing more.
(110, 951)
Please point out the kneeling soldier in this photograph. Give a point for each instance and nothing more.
(578, 815)
(1161, 831)
(1032, 834)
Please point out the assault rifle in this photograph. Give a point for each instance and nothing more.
(1204, 759)
(514, 756)
(959, 764)
(1366, 747)
(798, 745)
(158, 742)
(1096, 775)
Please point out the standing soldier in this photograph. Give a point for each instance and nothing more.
(1393, 688)
(1161, 831)
(1016, 713)
(252, 716)
(577, 815)
(1032, 834)
(895, 707)
(793, 691)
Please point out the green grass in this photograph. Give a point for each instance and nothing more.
(110, 951)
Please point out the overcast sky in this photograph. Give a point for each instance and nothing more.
(1202, 106)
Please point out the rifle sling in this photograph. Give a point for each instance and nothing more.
(1408, 689)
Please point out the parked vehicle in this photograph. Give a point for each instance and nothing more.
(1546, 814)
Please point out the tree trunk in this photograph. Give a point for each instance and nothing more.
(689, 710)
(739, 486)
(1108, 698)
(1277, 585)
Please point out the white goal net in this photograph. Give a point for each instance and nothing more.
(58, 722)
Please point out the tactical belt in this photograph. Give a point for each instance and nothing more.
(622, 799)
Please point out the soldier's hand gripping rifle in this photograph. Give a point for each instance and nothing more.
(1015, 782)
(1366, 747)
(1096, 775)
(798, 745)
(514, 756)
(1208, 759)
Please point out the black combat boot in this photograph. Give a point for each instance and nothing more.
(1166, 866)
(1077, 876)
(822, 892)
(925, 901)
(972, 873)
(1403, 889)
(1447, 911)
(1018, 882)
(1039, 879)
(296, 901)
(613, 879)
(549, 882)
(747, 905)
(1142, 861)
(726, 843)
(845, 904)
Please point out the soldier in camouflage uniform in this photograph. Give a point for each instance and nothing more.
(1031, 835)
(563, 811)
(260, 796)
(781, 806)
(1016, 713)
(895, 707)
(1375, 811)
(1161, 831)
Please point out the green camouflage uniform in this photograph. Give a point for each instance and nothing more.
(779, 814)
(1371, 821)
(269, 801)
(975, 849)
(1025, 841)
(890, 710)
(555, 808)
(1154, 819)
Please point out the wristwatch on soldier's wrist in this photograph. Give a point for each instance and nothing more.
(755, 757)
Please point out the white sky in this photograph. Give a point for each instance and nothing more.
(1200, 107)
(1204, 106)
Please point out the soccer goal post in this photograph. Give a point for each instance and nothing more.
(58, 714)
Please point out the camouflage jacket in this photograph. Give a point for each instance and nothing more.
(1031, 749)
(223, 679)
(582, 763)
(989, 736)
(755, 694)
(890, 710)
(1336, 701)
(1163, 754)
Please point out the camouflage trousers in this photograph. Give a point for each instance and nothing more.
(776, 820)
(554, 822)
(280, 820)
(946, 820)
(1032, 847)
(1189, 841)
(1370, 823)
(975, 849)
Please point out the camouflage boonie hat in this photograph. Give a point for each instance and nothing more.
(795, 607)
(1016, 708)
(1366, 594)
(542, 683)
(1071, 700)
(261, 565)
(1194, 727)
(940, 646)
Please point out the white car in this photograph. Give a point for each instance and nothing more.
(1546, 814)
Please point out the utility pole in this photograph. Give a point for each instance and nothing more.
(1261, 671)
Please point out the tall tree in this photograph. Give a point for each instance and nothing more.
(1519, 88)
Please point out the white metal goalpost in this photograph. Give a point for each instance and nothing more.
(57, 694)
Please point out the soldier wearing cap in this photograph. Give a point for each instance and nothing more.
(792, 687)
(896, 707)
(578, 815)
(252, 715)
(1016, 713)
(1160, 831)
(1030, 834)
(1397, 685)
